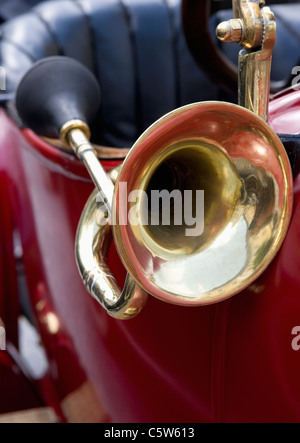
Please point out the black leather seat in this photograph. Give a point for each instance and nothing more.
(137, 50)
(11, 8)
(135, 47)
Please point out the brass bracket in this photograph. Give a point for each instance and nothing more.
(254, 28)
(247, 26)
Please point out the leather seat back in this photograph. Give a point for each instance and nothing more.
(136, 48)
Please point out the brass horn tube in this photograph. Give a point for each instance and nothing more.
(241, 165)
(247, 181)
(94, 233)
(92, 243)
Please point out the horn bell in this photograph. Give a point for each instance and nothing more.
(243, 171)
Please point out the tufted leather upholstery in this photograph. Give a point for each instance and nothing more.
(137, 50)
(11, 8)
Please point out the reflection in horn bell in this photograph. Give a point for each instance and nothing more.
(241, 165)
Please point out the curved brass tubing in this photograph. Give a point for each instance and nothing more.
(92, 243)
(227, 151)
(242, 167)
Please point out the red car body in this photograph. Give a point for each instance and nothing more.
(235, 361)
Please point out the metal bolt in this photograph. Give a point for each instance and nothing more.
(231, 31)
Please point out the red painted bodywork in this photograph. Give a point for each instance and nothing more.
(229, 362)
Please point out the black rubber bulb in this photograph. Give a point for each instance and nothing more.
(54, 91)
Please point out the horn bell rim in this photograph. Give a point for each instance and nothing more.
(254, 151)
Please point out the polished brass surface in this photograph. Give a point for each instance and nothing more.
(85, 151)
(73, 124)
(254, 27)
(231, 31)
(93, 233)
(194, 164)
(92, 243)
(224, 151)
(246, 27)
(241, 165)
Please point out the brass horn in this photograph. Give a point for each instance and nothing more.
(227, 182)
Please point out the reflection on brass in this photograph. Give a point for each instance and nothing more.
(193, 165)
(93, 237)
(254, 28)
(241, 165)
(246, 27)
(231, 31)
(92, 244)
(226, 151)
(74, 124)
